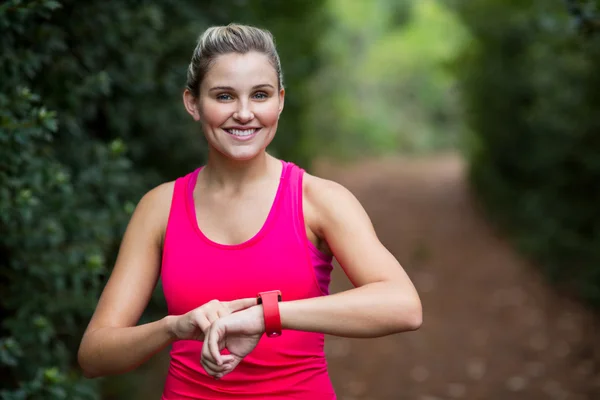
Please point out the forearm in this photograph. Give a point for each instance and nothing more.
(373, 310)
(109, 350)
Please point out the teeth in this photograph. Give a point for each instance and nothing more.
(239, 132)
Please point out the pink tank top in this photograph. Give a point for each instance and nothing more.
(196, 270)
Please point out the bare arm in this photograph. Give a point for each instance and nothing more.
(384, 300)
(112, 343)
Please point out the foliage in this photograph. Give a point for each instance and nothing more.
(90, 119)
(385, 80)
(531, 84)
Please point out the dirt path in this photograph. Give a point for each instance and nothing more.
(492, 327)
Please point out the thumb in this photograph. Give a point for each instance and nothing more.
(241, 304)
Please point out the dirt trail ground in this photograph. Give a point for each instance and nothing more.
(493, 329)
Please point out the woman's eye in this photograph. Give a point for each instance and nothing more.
(261, 95)
(224, 96)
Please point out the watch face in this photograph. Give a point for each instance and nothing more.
(259, 297)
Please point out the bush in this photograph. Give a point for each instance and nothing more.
(532, 89)
(59, 219)
(90, 119)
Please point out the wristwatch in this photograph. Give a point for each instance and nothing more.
(270, 302)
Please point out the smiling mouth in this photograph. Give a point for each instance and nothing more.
(242, 133)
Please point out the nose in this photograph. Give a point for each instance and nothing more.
(243, 114)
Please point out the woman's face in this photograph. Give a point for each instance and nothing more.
(239, 104)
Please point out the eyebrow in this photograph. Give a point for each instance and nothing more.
(264, 85)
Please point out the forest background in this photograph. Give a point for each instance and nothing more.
(91, 118)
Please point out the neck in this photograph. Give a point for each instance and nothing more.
(224, 172)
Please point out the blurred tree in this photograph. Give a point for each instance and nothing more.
(531, 85)
(90, 119)
(586, 15)
(386, 82)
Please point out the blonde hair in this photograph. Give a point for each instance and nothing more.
(232, 38)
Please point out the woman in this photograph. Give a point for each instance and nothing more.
(244, 247)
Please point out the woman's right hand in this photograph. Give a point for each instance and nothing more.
(193, 325)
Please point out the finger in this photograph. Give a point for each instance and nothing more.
(210, 368)
(212, 343)
(212, 316)
(216, 370)
(241, 304)
(223, 311)
(206, 354)
(229, 364)
(210, 365)
(203, 322)
(228, 359)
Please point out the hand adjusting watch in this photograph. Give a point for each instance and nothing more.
(270, 302)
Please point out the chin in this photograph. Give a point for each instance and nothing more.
(242, 154)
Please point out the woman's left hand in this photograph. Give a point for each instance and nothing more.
(239, 333)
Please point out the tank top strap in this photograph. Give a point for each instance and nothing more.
(178, 221)
(294, 199)
(295, 174)
(320, 263)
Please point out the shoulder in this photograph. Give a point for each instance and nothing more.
(154, 207)
(329, 202)
(158, 196)
(323, 192)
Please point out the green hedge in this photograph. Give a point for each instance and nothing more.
(90, 119)
(531, 85)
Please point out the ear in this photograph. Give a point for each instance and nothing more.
(281, 100)
(191, 104)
